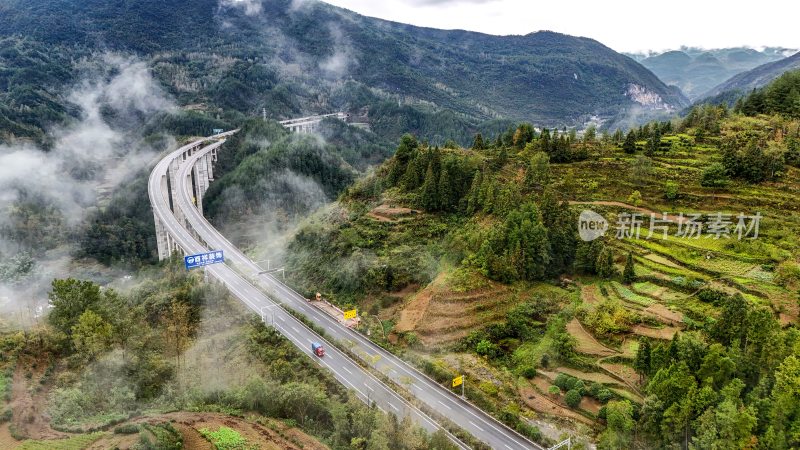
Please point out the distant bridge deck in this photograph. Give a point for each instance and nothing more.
(309, 124)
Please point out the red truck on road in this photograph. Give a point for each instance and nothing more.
(318, 349)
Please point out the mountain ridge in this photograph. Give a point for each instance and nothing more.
(758, 77)
(696, 71)
(479, 76)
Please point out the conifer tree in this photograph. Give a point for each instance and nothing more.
(473, 197)
(445, 190)
(605, 263)
(642, 362)
(654, 144)
(477, 144)
(429, 197)
(629, 274)
(544, 141)
(413, 176)
(618, 136)
(629, 146)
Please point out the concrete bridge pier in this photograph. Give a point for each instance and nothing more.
(199, 178)
(162, 239)
(173, 194)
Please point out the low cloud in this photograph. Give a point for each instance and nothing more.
(250, 7)
(298, 5)
(338, 64)
(45, 193)
(272, 219)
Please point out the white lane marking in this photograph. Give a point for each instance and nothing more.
(370, 388)
(440, 402)
(476, 426)
(295, 329)
(326, 363)
(483, 420)
(351, 384)
(509, 448)
(394, 407)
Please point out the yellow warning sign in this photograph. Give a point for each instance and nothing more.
(458, 380)
(350, 314)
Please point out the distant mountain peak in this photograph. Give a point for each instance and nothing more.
(696, 70)
(760, 76)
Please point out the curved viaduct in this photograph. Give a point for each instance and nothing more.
(176, 188)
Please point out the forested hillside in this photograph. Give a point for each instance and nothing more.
(292, 60)
(741, 84)
(468, 260)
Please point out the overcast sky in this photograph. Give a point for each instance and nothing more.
(624, 25)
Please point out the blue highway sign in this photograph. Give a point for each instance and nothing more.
(204, 259)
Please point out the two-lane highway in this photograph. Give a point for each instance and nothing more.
(433, 395)
(367, 387)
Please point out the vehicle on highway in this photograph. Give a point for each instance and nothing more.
(318, 349)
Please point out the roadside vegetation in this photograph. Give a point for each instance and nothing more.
(109, 360)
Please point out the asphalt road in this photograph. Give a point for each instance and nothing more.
(366, 386)
(469, 417)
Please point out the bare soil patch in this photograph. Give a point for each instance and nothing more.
(6, 441)
(591, 405)
(664, 314)
(786, 319)
(665, 333)
(386, 213)
(542, 404)
(440, 316)
(29, 401)
(589, 294)
(413, 311)
(662, 260)
(274, 435)
(621, 370)
(597, 377)
(587, 344)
